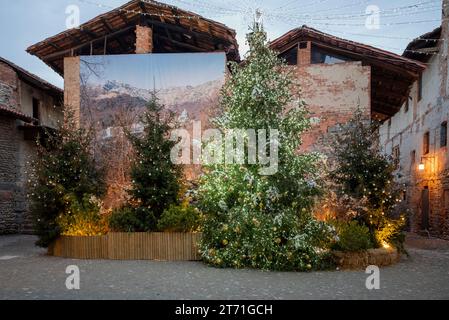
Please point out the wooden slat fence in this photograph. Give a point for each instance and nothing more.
(130, 246)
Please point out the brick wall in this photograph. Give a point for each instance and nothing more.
(72, 96)
(16, 152)
(144, 40)
(332, 93)
(304, 53)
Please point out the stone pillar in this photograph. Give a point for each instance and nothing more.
(304, 53)
(144, 40)
(72, 93)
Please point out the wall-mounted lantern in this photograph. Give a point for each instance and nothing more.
(421, 166)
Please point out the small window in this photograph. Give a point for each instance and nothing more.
(426, 141)
(443, 134)
(290, 56)
(303, 45)
(36, 107)
(396, 157)
(323, 56)
(389, 122)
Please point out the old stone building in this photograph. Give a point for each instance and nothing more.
(416, 136)
(27, 105)
(338, 75)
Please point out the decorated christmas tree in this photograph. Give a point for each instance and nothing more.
(256, 217)
(65, 183)
(364, 173)
(156, 180)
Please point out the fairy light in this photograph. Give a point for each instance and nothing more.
(388, 13)
(314, 20)
(386, 47)
(416, 6)
(311, 16)
(162, 15)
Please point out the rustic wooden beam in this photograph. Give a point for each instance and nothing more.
(123, 17)
(89, 33)
(180, 29)
(388, 94)
(110, 30)
(180, 44)
(386, 63)
(101, 38)
(54, 45)
(385, 108)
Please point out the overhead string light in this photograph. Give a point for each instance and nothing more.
(386, 47)
(268, 14)
(346, 24)
(407, 8)
(152, 14)
(295, 2)
(208, 6)
(350, 5)
(385, 14)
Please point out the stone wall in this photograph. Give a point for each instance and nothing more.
(8, 87)
(15, 152)
(9, 149)
(406, 130)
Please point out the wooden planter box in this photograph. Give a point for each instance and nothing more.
(360, 260)
(130, 246)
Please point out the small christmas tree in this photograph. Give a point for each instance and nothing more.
(363, 172)
(63, 175)
(155, 179)
(254, 220)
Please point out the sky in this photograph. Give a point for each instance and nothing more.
(26, 22)
(159, 71)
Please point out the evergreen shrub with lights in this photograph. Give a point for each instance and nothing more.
(352, 237)
(156, 181)
(364, 176)
(180, 218)
(263, 221)
(65, 183)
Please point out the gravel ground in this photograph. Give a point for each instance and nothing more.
(27, 273)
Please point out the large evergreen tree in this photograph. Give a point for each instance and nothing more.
(155, 179)
(254, 220)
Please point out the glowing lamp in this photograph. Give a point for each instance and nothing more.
(421, 166)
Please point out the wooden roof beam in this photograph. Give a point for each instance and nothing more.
(180, 44)
(82, 45)
(387, 63)
(110, 30)
(385, 108)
